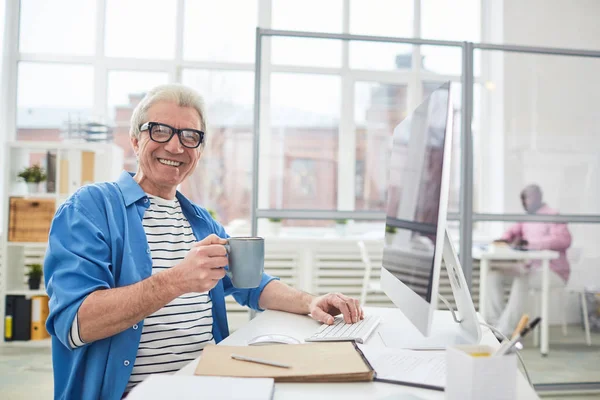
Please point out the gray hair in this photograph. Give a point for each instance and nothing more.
(181, 95)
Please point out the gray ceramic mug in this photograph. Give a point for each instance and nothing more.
(246, 261)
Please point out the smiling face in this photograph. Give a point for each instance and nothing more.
(163, 166)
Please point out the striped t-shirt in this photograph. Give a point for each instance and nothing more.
(176, 334)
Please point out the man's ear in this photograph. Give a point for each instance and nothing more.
(135, 143)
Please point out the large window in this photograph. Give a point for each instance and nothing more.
(329, 104)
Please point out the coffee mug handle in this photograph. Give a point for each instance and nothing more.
(228, 250)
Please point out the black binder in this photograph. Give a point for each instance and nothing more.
(19, 308)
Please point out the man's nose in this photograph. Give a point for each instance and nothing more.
(174, 145)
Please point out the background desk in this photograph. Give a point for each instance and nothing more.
(506, 253)
(300, 327)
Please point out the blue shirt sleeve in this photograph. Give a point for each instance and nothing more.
(77, 263)
(245, 297)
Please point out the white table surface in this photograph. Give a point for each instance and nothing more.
(506, 253)
(300, 327)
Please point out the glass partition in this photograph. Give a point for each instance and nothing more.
(580, 258)
(540, 128)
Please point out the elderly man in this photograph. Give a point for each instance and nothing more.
(135, 271)
(523, 236)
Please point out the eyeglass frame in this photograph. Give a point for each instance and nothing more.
(147, 126)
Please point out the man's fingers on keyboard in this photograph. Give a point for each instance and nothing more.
(353, 307)
(322, 316)
(344, 307)
(357, 309)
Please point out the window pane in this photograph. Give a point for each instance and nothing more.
(51, 26)
(304, 141)
(380, 56)
(381, 17)
(378, 108)
(125, 90)
(223, 179)
(541, 129)
(222, 30)
(442, 60)
(301, 16)
(306, 52)
(458, 20)
(49, 95)
(140, 28)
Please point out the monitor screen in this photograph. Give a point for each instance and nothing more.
(414, 192)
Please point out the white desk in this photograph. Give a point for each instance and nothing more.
(300, 326)
(506, 253)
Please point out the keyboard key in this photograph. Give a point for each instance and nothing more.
(340, 331)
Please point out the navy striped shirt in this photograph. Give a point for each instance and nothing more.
(176, 334)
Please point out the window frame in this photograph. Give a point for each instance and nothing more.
(103, 65)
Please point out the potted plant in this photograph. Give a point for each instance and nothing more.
(212, 213)
(390, 233)
(275, 225)
(35, 275)
(340, 226)
(33, 176)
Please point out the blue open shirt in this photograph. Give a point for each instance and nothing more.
(97, 241)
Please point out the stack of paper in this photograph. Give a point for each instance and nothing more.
(425, 368)
(175, 387)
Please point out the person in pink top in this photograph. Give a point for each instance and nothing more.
(527, 236)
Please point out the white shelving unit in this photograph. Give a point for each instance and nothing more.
(76, 164)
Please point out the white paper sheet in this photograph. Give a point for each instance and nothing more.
(425, 367)
(174, 387)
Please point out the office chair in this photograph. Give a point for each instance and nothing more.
(585, 273)
(368, 285)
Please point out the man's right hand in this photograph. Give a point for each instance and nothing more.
(203, 266)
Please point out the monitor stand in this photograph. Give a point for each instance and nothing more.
(398, 331)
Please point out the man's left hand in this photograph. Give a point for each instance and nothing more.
(324, 308)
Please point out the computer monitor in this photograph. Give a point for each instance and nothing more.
(416, 235)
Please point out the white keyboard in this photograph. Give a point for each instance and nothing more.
(341, 331)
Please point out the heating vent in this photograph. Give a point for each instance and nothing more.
(339, 268)
(282, 264)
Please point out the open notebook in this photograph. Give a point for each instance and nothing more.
(318, 362)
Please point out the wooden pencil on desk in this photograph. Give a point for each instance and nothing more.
(520, 326)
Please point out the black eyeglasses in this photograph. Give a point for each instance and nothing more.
(162, 133)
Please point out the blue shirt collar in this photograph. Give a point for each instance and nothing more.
(133, 192)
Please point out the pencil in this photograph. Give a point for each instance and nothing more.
(520, 326)
(259, 361)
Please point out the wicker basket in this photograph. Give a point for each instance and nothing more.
(30, 219)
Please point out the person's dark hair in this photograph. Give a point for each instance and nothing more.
(532, 189)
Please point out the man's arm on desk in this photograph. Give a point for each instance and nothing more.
(279, 296)
(512, 234)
